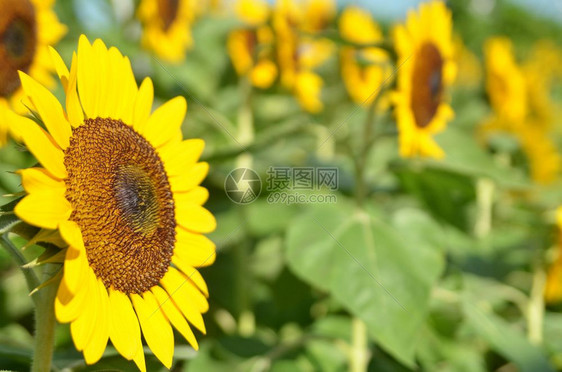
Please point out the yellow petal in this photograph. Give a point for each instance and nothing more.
(82, 327)
(143, 105)
(75, 262)
(49, 109)
(195, 218)
(43, 147)
(190, 178)
(39, 179)
(68, 305)
(181, 156)
(124, 87)
(181, 293)
(191, 273)
(139, 361)
(73, 106)
(155, 327)
(45, 209)
(96, 346)
(124, 330)
(87, 80)
(60, 67)
(164, 123)
(174, 315)
(196, 249)
(180, 282)
(199, 195)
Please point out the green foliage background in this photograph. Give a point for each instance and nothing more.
(294, 285)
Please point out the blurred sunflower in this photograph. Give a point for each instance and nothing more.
(363, 69)
(251, 49)
(553, 286)
(27, 27)
(426, 69)
(542, 155)
(167, 27)
(122, 187)
(541, 69)
(317, 15)
(522, 105)
(505, 82)
(469, 74)
(298, 55)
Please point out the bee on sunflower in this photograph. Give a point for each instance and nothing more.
(27, 27)
(425, 49)
(122, 187)
(167, 27)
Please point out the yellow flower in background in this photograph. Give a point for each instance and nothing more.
(547, 56)
(251, 49)
(357, 26)
(308, 86)
(27, 27)
(553, 286)
(167, 27)
(252, 12)
(426, 69)
(505, 82)
(298, 55)
(542, 155)
(540, 70)
(469, 70)
(521, 99)
(317, 15)
(363, 70)
(122, 187)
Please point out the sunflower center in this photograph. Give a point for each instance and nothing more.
(122, 201)
(427, 84)
(18, 41)
(168, 10)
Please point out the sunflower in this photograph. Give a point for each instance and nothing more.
(469, 74)
(121, 186)
(541, 153)
(426, 69)
(363, 69)
(251, 48)
(553, 285)
(299, 55)
(522, 105)
(27, 27)
(167, 27)
(505, 81)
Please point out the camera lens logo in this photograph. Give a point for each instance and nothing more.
(242, 185)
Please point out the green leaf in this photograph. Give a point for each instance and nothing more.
(503, 337)
(382, 274)
(464, 155)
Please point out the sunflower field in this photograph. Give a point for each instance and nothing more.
(280, 185)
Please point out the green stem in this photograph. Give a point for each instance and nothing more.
(536, 307)
(44, 309)
(29, 274)
(361, 161)
(484, 201)
(246, 320)
(359, 354)
(44, 326)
